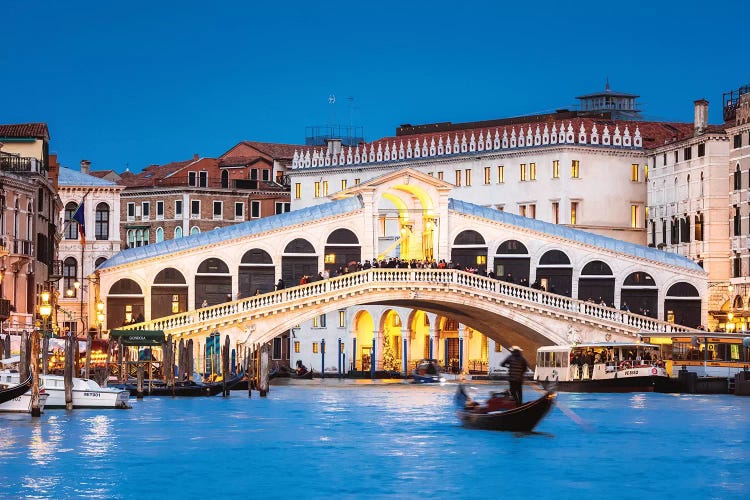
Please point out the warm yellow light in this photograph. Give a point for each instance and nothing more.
(100, 306)
(481, 259)
(330, 258)
(730, 316)
(69, 292)
(100, 318)
(76, 285)
(45, 310)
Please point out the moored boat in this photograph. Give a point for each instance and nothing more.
(500, 412)
(86, 393)
(602, 367)
(22, 403)
(12, 391)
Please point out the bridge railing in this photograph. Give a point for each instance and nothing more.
(404, 279)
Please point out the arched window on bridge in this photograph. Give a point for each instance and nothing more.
(213, 283)
(342, 248)
(124, 303)
(256, 272)
(470, 251)
(555, 272)
(169, 293)
(682, 305)
(597, 282)
(512, 262)
(640, 293)
(299, 260)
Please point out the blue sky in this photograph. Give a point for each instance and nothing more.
(135, 83)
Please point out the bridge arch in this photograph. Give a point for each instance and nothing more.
(512, 257)
(299, 259)
(597, 282)
(256, 272)
(341, 248)
(169, 293)
(682, 304)
(125, 303)
(362, 332)
(556, 270)
(213, 282)
(470, 250)
(641, 293)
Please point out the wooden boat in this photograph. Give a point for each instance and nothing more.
(495, 416)
(427, 372)
(8, 392)
(190, 388)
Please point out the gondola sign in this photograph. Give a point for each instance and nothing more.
(138, 337)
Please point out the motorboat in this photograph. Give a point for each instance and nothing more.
(428, 371)
(86, 392)
(602, 367)
(500, 412)
(22, 403)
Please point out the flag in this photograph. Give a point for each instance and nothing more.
(80, 219)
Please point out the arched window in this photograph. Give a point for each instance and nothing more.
(71, 226)
(195, 230)
(101, 224)
(178, 232)
(99, 262)
(159, 234)
(70, 274)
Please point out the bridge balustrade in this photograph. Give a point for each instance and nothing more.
(403, 279)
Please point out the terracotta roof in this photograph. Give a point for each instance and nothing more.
(36, 130)
(275, 151)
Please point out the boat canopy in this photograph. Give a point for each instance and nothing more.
(138, 337)
(596, 345)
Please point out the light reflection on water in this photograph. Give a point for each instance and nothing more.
(373, 441)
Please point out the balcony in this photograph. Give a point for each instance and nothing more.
(19, 164)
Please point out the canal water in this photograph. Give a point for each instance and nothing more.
(337, 439)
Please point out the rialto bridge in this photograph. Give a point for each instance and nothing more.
(507, 279)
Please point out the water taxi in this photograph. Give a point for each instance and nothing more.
(601, 367)
(86, 392)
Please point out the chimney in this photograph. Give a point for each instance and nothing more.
(85, 166)
(196, 157)
(700, 122)
(334, 146)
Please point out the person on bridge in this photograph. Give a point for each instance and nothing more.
(517, 366)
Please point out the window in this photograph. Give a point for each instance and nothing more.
(664, 231)
(685, 229)
(342, 319)
(522, 210)
(195, 230)
(131, 213)
(737, 221)
(574, 166)
(555, 169)
(218, 209)
(487, 175)
(71, 229)
(195, 209)
(316, 191)
(276, 354)
(159, 210)
(255, 209)
(192, 176)
(159, 234)
(699, 226)
(296, 346)
(687, 153)
(634, 168)
(177, 209)
(555, 212)
(145, 210)
(322, 320)
(664, 159)
(315, 348)
(500, 174)
(532, 211)
(633, 215)
(468, 177)
(343, 184)
(177, 232)
(458, 178)
(239, 210)
(532, 171)
(701, 149)
(297, 190)
(203, 179)
(356, 182)
(283, 207)
(137, 237)
(523, 171)
(676, 157)
(737, 141)
(70, 273)
(101, 222)
(645, 173)
(737, 178)
(325, 188)
(440, 175)
(266, 175)
(736, 267)
(573, 212)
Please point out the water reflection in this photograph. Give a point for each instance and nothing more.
(97, 439)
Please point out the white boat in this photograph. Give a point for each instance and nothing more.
(86, 392)
(22, 404)
(602, 367)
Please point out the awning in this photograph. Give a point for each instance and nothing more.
(138, 337)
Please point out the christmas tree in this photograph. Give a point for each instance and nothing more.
(390, 363)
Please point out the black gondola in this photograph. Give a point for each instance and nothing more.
(189, 388)
(518, 419)
(15, 391)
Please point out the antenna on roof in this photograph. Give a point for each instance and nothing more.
(607, 86)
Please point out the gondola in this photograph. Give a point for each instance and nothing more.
(518, 419)
(15, 391)
(188, 388)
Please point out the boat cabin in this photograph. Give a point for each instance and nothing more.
(594, 361)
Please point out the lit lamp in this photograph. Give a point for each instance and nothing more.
(330, 258)
(45, 309)
(128, 313)
(100, 314)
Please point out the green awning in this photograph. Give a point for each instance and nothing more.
(138, 337)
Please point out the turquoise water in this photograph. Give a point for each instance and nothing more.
(344, 440)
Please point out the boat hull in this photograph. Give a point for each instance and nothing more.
(22, 404)
(624, 384)
(523, 418)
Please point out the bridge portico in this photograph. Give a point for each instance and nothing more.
(402, 214)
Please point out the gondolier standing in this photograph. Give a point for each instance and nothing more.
(517, 366)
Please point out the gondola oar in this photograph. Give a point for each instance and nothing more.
(570, 413)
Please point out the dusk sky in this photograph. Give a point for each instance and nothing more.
(136, 83)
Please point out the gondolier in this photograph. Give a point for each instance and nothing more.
(517, 366)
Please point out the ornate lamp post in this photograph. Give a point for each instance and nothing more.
(45, 309)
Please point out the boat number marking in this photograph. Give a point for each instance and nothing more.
(92, 395)
(631, 372)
